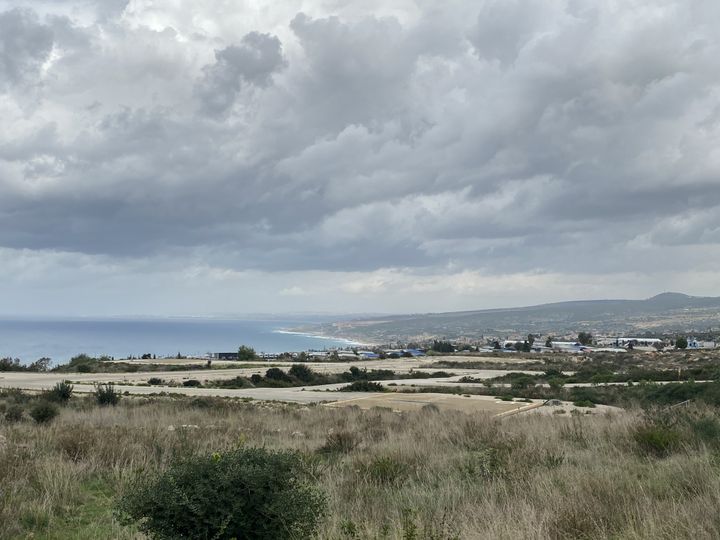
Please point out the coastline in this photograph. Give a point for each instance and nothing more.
(321, 336)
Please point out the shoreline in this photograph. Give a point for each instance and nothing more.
(321, 336)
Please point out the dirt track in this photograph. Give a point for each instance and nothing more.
(137, 384)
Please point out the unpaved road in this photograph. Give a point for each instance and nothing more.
(308, 394)
(136, 384)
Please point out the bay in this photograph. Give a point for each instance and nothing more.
(61, 339)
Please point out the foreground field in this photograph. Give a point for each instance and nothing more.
(426, 474)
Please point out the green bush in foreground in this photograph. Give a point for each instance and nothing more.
(44, 412)
(250, 493)
(60, 393)
(105, 394)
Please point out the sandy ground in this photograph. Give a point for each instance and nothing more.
(409, 402)
(136, 384)
(37, 381)
(388, 363)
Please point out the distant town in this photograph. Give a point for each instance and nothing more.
(582, 343)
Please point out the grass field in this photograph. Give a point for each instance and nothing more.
(419, 475)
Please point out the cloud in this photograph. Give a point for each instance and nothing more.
(252, 62)
(25, 45)
(502, 137)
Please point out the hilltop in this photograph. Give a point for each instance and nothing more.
(666, 312)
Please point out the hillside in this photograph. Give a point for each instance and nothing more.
(666, 312)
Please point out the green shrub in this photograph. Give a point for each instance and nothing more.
(60, 393)
(235, 382)
(105, 394)
(14, 413)
(277, 374)
(302, 373)
(154, 381)
(192, 383)
(249, 493)
(363, 386)
(656, 439)
(44, 412)
(584, 403)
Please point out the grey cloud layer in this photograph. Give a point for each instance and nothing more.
(487, 134)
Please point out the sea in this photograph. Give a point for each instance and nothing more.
(61, 339)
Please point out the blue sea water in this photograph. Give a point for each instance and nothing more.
(60, 340)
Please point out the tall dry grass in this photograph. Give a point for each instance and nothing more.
(434, 475)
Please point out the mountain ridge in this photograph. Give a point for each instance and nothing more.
(664, 312)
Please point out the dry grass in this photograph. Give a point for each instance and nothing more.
(424, 475)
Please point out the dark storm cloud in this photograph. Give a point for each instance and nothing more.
(490, 140)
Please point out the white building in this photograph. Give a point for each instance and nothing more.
(621, 341)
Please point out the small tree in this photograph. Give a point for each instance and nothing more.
(249, 493)
(246, 354)
(548, 342)
(40, 365)
(681, 342)
(442, 346)
(585, 338)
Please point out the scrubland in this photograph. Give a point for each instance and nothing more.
(422, 475)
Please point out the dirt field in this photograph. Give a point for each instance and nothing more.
(413, 402)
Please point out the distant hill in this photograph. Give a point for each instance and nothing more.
(666, 312)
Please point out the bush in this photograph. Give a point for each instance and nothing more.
(44, 412)
(105, 394)
(340, 442)
(14, 413)
(655, 439)
(277, 374)
(60, 393)
(249, 493)
(584, 403)
(302, 373)
(192, 383)
(154, 381)
(363, 386)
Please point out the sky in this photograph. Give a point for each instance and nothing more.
(178, 157)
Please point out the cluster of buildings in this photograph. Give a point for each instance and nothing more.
(539, 345)
(329, 355)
